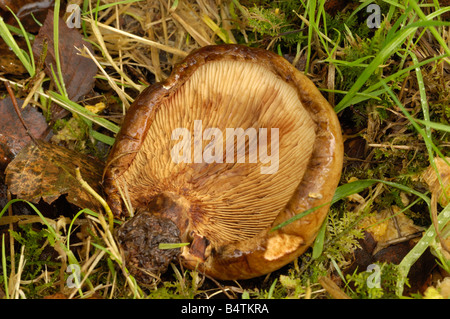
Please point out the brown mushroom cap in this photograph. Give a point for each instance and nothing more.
(227, 206)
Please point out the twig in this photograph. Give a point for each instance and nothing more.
(400, 147)
(402, 239)
(332, 288)
(19, 114)
(394, 219)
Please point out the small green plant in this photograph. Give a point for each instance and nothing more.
(378, 282)
(34, 243)
(267, 22)
(400, 32)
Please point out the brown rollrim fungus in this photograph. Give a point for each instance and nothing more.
(234, 142)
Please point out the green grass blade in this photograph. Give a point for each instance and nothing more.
(351, 188)
(417, 251)
(56, 47)
(29, 56)
(360, 97)
(360, 7)
(436, 34)
(108, 140)
(171, 245)
(348, 189)
(423, 93)
(109, 5)
(83, 112)
(384, 53)
(435, 125)
(10, 42)
(427, 24)
(18, 31)
(272, 289)
(320, 240)
(5, 274)
(311, 6)
(398, 74)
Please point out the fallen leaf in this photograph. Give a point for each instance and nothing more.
(13, 136)
(386, 229)
(9, 62)
(389, 240)
(47, 171)
(78, 71)
(419, 273)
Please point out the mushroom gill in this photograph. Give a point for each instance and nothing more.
(235, 200)
(233, 143)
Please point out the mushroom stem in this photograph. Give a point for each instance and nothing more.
(139, 240)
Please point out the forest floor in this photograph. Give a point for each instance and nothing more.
(383, 65)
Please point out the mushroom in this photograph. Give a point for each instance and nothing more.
(234, 142)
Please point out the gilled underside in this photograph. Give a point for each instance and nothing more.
(229, 201)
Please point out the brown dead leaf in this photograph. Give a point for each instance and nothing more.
(47, 171)
(388, 240)
(9, 62)
(78, 71)
(13, 136)
(387, 229)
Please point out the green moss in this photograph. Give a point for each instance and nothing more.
(33, 241)
(37, 261)
(72, 132)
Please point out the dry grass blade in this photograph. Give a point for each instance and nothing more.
(124, 97)
(142, 40)
(113, 251)
(109, 58)
(91, 263)
(15, 278)
(192, 31)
